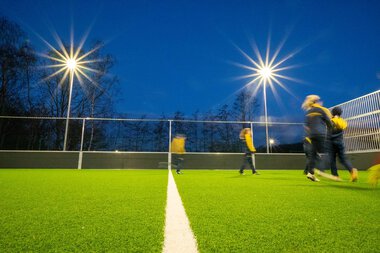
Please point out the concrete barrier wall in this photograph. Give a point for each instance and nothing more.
(121, 160)
(38, 159)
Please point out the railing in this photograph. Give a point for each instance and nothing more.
(363, 117)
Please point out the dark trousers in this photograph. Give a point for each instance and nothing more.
(178, 160)
(337, 149)
(308, 149)
(319, 156)
(248, 161)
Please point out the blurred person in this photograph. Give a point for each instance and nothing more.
(337, 145)
(374, 175)
(249, 150)
(178, 151)
(317, 128)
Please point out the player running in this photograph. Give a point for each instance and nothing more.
(246, 138)
(317, 127)
(337, 146)
(178, 150)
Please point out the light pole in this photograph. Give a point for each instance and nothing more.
(71, 65)
(266, 115)
(265, 73)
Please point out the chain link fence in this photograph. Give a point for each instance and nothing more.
(143, 135)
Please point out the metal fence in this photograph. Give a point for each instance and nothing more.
(144, 135)
(363, 118)
(154, 135)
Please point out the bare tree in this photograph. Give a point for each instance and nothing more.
(244, 106)
(17, 62)
(209, 132)
(160, 132)
(11, 40)
(98, 88)
(225, 130)
(137, 134)
(194, 133)
(28, 77)
(179, 126)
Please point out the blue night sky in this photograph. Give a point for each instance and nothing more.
(178, 55)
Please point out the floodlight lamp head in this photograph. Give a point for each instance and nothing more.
(71, 64)
(265, 72)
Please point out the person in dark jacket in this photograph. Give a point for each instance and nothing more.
(337, 145)
(317, 128)
(249, 151)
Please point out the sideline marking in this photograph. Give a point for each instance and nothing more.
(178, 235)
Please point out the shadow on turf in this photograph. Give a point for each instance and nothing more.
(338, 185)
(259, 177)
(324, 183)
(352, 187)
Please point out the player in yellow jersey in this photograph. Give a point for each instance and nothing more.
(246, 138)
(178, 150)
(337, 145)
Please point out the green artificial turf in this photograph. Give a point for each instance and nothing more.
(82, 211)
(280, 211)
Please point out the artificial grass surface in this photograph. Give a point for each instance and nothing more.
(123, 211)
(280, 211)
(82, 211)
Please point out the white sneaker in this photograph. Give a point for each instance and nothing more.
(312, 177)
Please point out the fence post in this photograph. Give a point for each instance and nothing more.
(170, 146)
(81, 146)
(253, 155)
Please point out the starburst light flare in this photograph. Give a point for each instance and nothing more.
(70, 64)
(265, 72)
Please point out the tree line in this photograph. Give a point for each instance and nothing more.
(29, 89)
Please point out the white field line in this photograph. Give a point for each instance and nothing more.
(178, 235)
